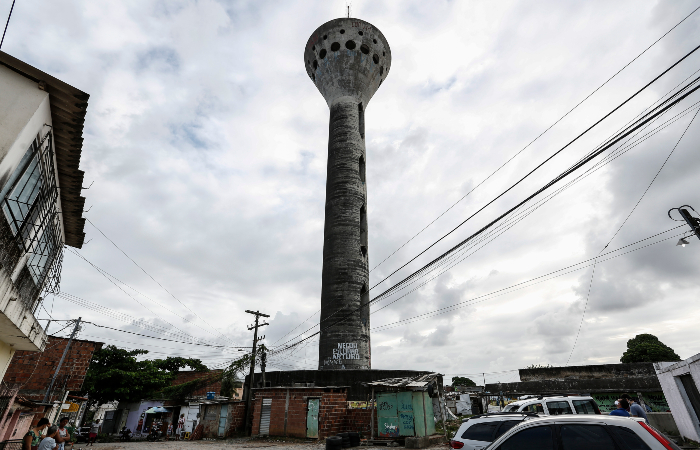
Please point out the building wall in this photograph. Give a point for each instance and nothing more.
(598, 371)
(190, 375)
(683, 413)
(34, 370)
(331, 418)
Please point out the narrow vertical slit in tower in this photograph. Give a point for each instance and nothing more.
(362, 169)
(363, 231)
(361, 120)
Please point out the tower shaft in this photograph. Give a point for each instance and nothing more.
(345, 341)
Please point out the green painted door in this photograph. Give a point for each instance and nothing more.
(404, 403)
(312, 418)
(387, 415)
(429, 414)
(419, 413)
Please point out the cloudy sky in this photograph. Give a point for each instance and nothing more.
(205, 143)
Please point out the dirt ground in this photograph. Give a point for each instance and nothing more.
(229, 444)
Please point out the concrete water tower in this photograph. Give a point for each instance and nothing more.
(347, 59)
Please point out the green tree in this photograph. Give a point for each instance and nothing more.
(648, 348)
(462, 381)
(116, 374)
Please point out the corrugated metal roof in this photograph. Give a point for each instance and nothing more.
(417, 382)
(68, 108)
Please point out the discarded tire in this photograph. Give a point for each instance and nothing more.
(354, 439)
(334, 443)
(345, 439)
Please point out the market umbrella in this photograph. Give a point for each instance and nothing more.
(156, 409)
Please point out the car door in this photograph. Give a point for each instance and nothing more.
(539, 437)
(580, 436)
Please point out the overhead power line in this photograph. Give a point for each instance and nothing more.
(156, 281)
(538, 167)
(537, 138)
(590, 283)
(7, 23)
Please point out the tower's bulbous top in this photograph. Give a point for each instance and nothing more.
(347, 57)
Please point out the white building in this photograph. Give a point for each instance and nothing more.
(680, 382)
(41, 124)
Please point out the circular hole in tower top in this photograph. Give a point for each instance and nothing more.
(315, 64)
(364, 48)
(350, 45)
(325, 36)
(375, 58)
(375, 41)
(360, 33)
(335, 47)
(342, 31)
(322, 54)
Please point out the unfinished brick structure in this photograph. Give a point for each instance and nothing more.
(34, 370)
(289, 407)
(185, 376)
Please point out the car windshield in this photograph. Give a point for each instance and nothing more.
(511, 407)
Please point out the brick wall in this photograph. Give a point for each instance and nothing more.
(190, 375)
(331, 418)
(359, 420)
(236, 421)
(34, 369)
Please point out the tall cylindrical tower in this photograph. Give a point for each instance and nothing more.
(347, 59)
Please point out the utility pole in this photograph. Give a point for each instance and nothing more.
(249, 399)
(60, 363)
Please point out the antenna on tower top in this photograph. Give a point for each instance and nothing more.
(348, 11)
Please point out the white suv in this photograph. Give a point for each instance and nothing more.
(583, 432)
(555, 405)
(479, 431)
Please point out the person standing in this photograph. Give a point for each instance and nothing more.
(49, 442)
(30, 441)
(636, 409)
(63, 434)
(621, 410)
(180, 427)
(94, 429)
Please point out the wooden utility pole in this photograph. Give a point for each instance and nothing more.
(60, 363)
(249, 399)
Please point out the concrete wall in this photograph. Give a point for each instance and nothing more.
(347, 60)
(663, 421)
(684, 414)
(598, 371)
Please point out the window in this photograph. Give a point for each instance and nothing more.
(535, 438)
(585, 407)
(21, 190)
(362, 168)
(557, 408)
(535, 407)
(510, 407)
(363, 231)
(691, 390)
(585, 437)
(505, 426)
(628, 438)
(361, 120)
(481, 431)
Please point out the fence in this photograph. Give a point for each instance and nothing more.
(14, 444)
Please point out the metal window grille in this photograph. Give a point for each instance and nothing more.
(30, 209)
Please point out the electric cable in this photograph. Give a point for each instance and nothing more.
(156, 281)
(539, 136)
(590, 284)
(7, 23)
(539, 166)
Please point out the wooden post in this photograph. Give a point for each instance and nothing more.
(371, 425)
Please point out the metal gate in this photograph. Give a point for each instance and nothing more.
(222, 419)
(265, 417)
(312, 418)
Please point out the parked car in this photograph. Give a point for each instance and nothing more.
(582, 432)
(555, 405)
(478, 431)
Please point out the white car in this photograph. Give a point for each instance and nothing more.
(583, 432)
(555, 405)
(479, 431)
